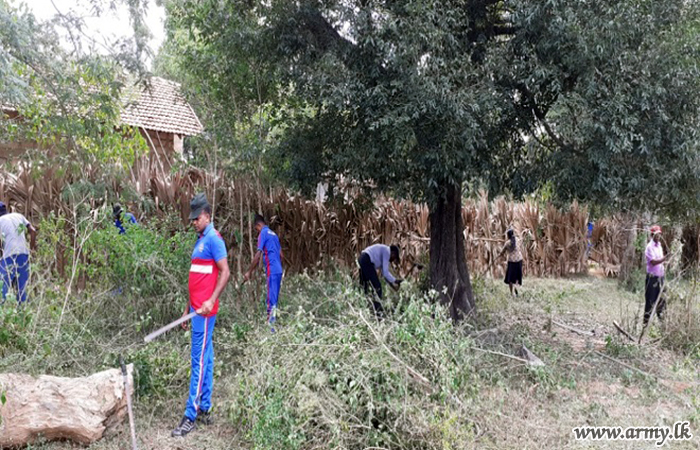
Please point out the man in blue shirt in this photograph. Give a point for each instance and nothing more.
(120, 218)
(270, 251)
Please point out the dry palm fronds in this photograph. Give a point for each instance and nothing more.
(554, 242)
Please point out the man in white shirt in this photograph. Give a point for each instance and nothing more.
(14, 267)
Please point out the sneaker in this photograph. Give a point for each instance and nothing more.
(186, 425)
(205, 418)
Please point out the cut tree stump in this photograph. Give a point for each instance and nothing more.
(48, 408)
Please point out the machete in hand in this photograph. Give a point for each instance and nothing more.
(169, 327)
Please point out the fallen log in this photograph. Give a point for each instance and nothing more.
(83, 410)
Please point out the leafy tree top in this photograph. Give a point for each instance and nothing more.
(69, 98)
(598, 99)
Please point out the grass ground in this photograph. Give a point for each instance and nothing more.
(332, 378)
(598, 380)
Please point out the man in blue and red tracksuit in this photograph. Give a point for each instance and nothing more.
(209, 274)
(268, 249)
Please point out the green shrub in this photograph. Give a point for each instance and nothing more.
(144, 261)
(682, 316)
(160, 370)
(14, 328)
(335, 377)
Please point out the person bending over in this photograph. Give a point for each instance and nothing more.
(371, 259)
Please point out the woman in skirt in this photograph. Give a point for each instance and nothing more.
(514, 272)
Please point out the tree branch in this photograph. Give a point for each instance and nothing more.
(541, 116)
(325, 35)
(549, 130)
(504, 30)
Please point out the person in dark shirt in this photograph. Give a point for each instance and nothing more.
(121, 218)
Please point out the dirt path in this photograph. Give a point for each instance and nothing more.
(592, 378)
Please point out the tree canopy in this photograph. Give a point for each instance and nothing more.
(599, 99)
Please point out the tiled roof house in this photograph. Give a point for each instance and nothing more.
(159, 110)
(162, 114)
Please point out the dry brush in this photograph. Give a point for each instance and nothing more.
(555, 240)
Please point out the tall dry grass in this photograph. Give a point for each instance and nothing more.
(555, 241)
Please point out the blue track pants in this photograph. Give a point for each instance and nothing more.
(202, 374)
(14, 271)
(273, 292)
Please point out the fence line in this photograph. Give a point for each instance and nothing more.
(555, 241)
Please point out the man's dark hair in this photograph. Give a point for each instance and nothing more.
(394, 249)
(259, 219)
(207, 209)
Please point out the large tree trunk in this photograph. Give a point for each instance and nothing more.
(80, 409)
(448, 266)
(690, 256)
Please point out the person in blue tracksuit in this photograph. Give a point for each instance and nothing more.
(14, 267)
(270, 251)
(209, 273)
(121, 218)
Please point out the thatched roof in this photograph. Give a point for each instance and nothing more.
(160, 106)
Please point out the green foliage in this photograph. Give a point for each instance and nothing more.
(159, 371)
(70, 101)
(274, 426)
(144, 262)
(14, 327)
(592, 101)
(620, 82)
(336, 377)
(615, 347)
(212, 50)
(54, 246)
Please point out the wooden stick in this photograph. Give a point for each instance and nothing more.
(128, 403)
(505, 355)
(575, 330)
(623, 364)
(621, 330)
(169, 326)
